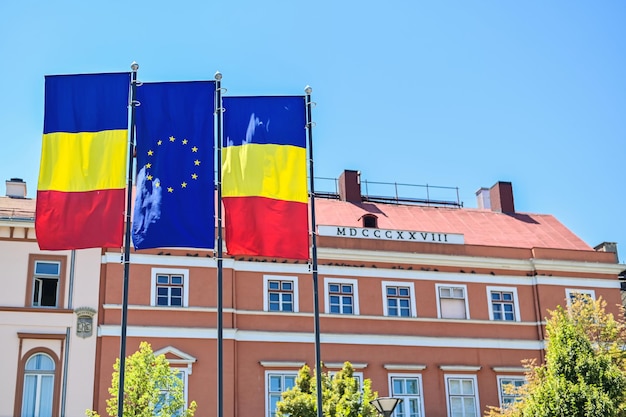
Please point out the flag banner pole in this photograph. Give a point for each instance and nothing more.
(220, 289)
(316, 304)
(129, 197)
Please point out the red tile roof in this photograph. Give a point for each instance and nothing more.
(20, 208)
(479, 227)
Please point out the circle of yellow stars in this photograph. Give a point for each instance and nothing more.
(170, 187)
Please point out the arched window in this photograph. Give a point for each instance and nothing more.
(38, 394)
(370, 220)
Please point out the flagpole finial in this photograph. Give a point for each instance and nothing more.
(218, 76)
(134, 66)
(308, 89)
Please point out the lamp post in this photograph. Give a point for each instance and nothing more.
(385, 405)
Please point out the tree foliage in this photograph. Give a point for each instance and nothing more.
(148, 379)
(584, 374)
(342, 395)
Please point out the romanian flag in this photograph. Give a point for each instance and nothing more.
(81, 188)
(175, 201)
(264, 184)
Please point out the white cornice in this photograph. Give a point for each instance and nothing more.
(527, 265)
(403, 367)
(459, 368)
(281, 364)
(339, 365)
(28, 224)
(510, 369)
(571, 266)
(326, 338)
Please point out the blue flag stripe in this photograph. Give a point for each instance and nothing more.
(249, 120)
(86, 102)
(175, 201)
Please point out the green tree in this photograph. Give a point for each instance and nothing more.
(584, 370)
(152, 388)
(342, 395)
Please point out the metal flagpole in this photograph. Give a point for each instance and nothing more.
(129, 196)
(220, 290)
(316, 304)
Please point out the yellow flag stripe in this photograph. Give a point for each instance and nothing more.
(86, 161)
(272, 171)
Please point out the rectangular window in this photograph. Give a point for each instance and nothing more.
(452, 302)
(507, 386)
(341, 296)
(46, 281)
(357, 376)
(462, 396)
(164, 395)
(409, 389)
(503, 303)
(46, 284)
(276, 384)
(572, 293)
(399, 299)
(169, 290)
(280, 293)
(170, 287)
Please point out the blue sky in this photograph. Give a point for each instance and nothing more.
(451, 93)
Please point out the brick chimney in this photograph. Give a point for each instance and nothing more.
(501, 197)
(350, 186)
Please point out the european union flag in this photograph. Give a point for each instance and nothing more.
(175, 201)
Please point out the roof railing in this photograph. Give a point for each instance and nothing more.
(394, 193)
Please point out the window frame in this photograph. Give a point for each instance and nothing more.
(169, 271)
(465, 298)
(282, 374)
(501, 395)
(295, 292)
(30, 282)
(420, 385)
(412, 306)
(516, 309)
(21, 377)
(185, 380)
(355, 294)
(448, 377)
(569, 292)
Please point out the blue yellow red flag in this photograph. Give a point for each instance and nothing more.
(264, 177)
(82, 175)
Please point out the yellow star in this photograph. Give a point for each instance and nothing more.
(159, 142)
(150, 152)
(149, 177)
(185, 141)
(172, 138)
(196, 162)
(194, 176)
(194, 149)
(170, 190)
(184, 185)
(157, 183)
(148, 165)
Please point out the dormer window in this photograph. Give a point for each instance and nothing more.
(370, 220)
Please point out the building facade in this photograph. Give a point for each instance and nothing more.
(47, 317)
(436, 305)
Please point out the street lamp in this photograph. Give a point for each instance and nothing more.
(385, 405)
